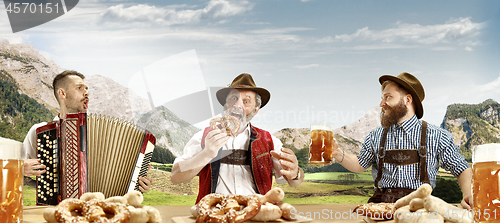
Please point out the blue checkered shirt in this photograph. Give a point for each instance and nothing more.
(406, 135)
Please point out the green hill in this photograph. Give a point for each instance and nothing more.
(18, 111)
(473, 124)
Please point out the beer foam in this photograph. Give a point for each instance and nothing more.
(486, 153)
(10, 149)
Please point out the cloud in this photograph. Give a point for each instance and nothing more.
(280, 30)
(172, 15)
(460, 31)
(307, 66)
(492, 87)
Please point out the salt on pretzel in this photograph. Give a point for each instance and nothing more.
(226, 123)
(96, 211)
(212, 208)
(423, 191)
(252, 207)
(376, 210)
(64, 209)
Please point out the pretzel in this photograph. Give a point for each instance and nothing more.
(226, 123)
(96, 210)
(376, 210)
(220, 208)
(91, 207)
(64, 209)
(251, 209)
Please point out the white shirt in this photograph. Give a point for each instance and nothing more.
(29, 144)
(234, 179)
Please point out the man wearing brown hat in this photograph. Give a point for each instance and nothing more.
(405, 151)
(244, 162)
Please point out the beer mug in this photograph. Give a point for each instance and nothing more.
(321, 144)
(11, 181)
(486, 182)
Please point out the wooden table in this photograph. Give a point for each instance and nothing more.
(318, 213)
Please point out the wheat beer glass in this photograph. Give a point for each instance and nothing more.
(486, 182)
(321, 144)
(11, 181)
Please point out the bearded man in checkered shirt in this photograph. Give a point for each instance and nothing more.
(405, 152)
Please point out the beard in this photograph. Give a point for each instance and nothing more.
(393, 114)
(240, 115)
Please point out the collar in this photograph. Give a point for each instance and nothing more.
(56, 118)
(407, 125)
(247, 130)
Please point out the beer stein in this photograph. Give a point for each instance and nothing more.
(11, 181)
(486, 182)
(321, 144)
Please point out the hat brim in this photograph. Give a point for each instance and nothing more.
(264, 94)
(419, 110)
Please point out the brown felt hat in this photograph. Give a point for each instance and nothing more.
(243, 81)
(412, 85)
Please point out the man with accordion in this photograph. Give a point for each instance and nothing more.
(239, 158)
(72, 94)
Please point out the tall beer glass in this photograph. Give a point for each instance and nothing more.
(486, 182)
(321, 144)
(11, 181)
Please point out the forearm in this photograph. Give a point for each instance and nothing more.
(186, 170)
(349, 161)
(464, 180)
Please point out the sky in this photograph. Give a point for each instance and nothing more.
(320, 59)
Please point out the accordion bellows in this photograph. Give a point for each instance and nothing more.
(91, 153)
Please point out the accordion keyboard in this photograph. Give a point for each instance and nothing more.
(144, 169)
(48, 182)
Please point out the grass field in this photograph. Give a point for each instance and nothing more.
(365, 176)
(317, 188)
(165, 193)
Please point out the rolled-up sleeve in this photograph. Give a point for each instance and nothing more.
(193, 147)
(451, 159)
(366, 156)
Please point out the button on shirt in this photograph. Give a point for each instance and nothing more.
(406, 135)
(234, 179)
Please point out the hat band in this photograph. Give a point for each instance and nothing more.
(244, 86)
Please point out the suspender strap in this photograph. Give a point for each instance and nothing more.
(381, 155)
(422, 152)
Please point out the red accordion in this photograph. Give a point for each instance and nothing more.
(90, 153)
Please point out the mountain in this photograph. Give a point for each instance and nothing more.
(107, 97)
(24, 67)
(18, 112)
(30, 72)
(473, 124)
(170, 131)
(349, 137)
